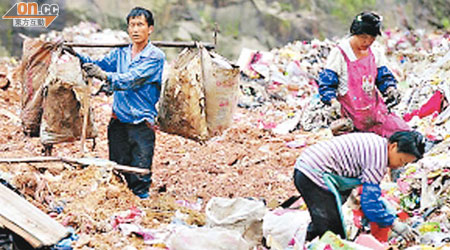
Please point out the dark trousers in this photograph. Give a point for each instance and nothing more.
(132, 145)
(321, 205)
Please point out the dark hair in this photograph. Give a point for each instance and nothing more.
(139, 11)
(366, 23)
(409, 142)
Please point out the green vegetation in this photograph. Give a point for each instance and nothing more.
(206, 17)
(302, 4)
(286, 25)
(441, 12)
(74, 16)
(114, 22)
(232, 29)
(345, 10)
(4, 7)
(445, 22)
(286, 7)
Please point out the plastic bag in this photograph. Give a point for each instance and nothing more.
(331, 241)
(286, 226)
(207, 239)
(242, 215)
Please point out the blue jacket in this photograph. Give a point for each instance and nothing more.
(136, 82)
(329, 81)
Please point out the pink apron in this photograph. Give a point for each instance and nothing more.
(363, 102)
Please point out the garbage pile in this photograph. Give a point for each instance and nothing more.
(423, 69)
(98, 206)
(424, 194)
(88, 33)
(288, 75)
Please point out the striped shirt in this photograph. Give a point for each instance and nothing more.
(136, 82)
(355, 155)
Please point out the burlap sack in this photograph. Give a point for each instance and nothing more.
(31, 75)
(182, 104)
(199, 95)
(63, 112)
(221, 92)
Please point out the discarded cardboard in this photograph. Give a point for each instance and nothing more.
(24, 219)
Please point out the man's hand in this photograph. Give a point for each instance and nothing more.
(93, 70)
(69, 50)
(393, 96)
(335, 110)
(105, 88)
(405, 231)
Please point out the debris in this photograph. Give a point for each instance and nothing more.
(82, 161)
(242, 215)
(19, 216)
(207, 238)
(287, 227)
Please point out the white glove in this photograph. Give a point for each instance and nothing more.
(405, 231)
(392, 96)
(335, 110)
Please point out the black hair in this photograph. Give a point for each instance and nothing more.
(366, 23)
(139, 11)
(409, 142)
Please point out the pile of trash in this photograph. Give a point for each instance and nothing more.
(288, 75)
(97, 205)
(88, 33)
(424, 194)
(423, 73)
